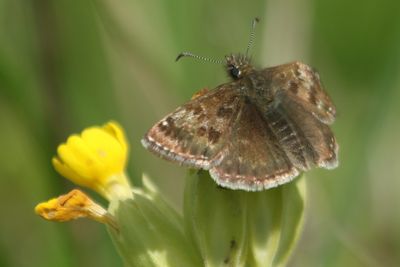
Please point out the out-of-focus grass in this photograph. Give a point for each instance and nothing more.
(65, 65)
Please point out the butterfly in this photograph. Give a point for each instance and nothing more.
(255, 132)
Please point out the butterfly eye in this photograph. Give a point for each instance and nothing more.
(235, 72)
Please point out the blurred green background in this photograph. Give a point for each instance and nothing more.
(66, 65)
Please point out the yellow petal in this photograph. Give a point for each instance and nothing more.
(106, 148)
(118, 132)
(68, 157)
(96, 159)
(85, 161)
(67, 172)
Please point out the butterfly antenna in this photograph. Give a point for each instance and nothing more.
(251, 39)
(189, 54)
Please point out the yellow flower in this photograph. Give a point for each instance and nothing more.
(72, 206)
(96, 159)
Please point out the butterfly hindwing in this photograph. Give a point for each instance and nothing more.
(253, 159)
(315, 140)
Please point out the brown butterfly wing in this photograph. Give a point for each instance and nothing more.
(253, 159)
(256, 137)
(195, 133)
(308, 141)
(302, 85)
(272, 141)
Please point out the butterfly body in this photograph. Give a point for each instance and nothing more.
(256, 132)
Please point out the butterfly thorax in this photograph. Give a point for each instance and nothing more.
(249, 82)
(238, 66)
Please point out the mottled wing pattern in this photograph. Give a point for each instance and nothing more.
(300, 115)
(195, 133)
(302, 84)
(253, 159)
(253, 134)
(306, 140)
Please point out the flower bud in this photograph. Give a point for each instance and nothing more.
(239, 228)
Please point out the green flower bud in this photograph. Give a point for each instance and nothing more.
(150, 232)
(275, 220)
(215, 219)
(238, 228)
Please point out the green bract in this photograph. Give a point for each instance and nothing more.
(151, 233)
(220, 227)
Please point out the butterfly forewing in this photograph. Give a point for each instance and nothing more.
(302, 84)
(195, 133)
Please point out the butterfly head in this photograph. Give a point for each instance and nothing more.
(238, 66)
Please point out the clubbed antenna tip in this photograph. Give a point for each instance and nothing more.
(181, 55)
(251, 39)
(189, 54)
